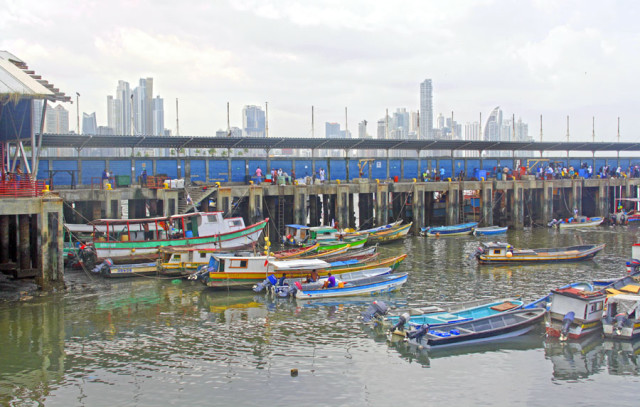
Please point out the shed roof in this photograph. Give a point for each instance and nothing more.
(17, 81)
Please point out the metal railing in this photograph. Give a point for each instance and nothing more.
(21, 188)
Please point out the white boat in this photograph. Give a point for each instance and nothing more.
(131, 240)
(375, 284)
(490, 230)
(622, 317)
(578, 222)
(575, 312)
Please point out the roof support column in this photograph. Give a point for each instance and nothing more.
(388, 164)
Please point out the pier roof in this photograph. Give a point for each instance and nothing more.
(19, 82)
(108, 141)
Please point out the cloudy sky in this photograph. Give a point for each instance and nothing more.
(530, 57)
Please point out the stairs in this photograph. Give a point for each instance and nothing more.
(197, 194)
(281, 209)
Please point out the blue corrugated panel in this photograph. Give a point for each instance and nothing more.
(410, 169)
(64, 178)
(379, 169)
(447, 165)
(198, 170)
(166, 167)
(322, 164)
(304, 168)
(254, 164)
(238, 171)
(338, 170)
(120, 167)
(472, 165)
(600, 162)
(459, 166)
(354, 171)
(489, 165)
(43, 169)
(395, 168)
(285, 165)
(143, 164)
(92, 169)
(218, 171)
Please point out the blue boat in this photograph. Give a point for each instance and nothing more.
(495, 327)
(468, 313)
(490, 230)
(453, 230)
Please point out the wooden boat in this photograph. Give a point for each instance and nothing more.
(579, 222)
(353, 254)
(575, 313)
(297, 251)
(495, 327)
(391, 234)
(135, 240)
(350, 243)
(300, 234)
(244, 272)
(376, 284)
(437, 317)
(453, 230)
(622, 316)
(109, 270)
(499, 252)
(271, 282)
(490, 230)
(372, 230)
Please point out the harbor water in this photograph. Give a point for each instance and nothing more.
(146, 341)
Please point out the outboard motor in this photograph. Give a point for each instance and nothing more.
(552, 223)
(418, 334)
(375, 310)
(268, 282)
(566, 324)
(619, 322)
(286, 291)
(398, 329)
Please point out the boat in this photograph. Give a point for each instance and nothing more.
(376, 284)
(453, 230)
(297, 251)
(109, 270)
(351, 232)
(622, 316)
(139, 240)
(288, 286)
(390, 235)
(337, 244)
(436, 317)
(490, 230)
(577, 222)
(575, 313)
(499, 252)
(296, 235)
(495, 327)
(244, 272)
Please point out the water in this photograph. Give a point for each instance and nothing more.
(143, 341)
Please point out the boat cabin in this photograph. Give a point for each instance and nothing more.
(198, 224)
(587, 305)
(498, 249)
(301, 233)
(256, 264)
(624, 303)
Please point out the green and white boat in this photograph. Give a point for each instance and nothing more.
(135, 240)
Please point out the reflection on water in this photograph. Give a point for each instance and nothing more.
(152, 342)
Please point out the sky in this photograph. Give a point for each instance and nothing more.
(533, 58)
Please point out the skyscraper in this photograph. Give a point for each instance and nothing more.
(426, 109)
(123, 95)
(89, 124)
(494, 125)
(253, 121)
(158, 116)
(332, 130)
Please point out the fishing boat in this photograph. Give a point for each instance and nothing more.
(358, 254)
(390, 235)
(490, 230)
(244, 272)
(495, 327)
(376, 284)
(575, 313)
(297, 251)
(437, 316)
(453, 230)
(139, 240)
(351, 243)
(499, 252)
(300, 234)
(622, 316)
(351, 232)
(110, 270)
(577, 222)
(271, 282)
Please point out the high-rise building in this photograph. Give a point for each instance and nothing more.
(89, 123)
(253, 121)
(125, 113)
(362, 129)
(382, 129)
(332, 130)
(494, 125)
(157, 116)
(148, 107)
(114, 114)
(57, 120)
(426, 109)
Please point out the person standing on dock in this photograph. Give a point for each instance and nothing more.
(143, 177)
(258, 175)
(105, 178)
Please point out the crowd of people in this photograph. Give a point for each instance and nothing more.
(559, 171)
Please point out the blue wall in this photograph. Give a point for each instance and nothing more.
(304, 168)
(218, 171)
(379, 169)
(284, 164)
(43, 169)
(354, 171)
(238, 171)
(410, 169)
(198, 170)
(168, 167)
(92, 169)
(338, 170)
(472, 165)
(395, 169)
(447, 165)
(63, 178)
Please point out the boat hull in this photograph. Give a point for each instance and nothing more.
(455, 230)
(625, 333)
(540, 256)
(384, 284)
(490, 231)
(120, 252)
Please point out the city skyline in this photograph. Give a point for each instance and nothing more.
(532, 58)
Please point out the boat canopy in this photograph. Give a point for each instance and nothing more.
(626, 302)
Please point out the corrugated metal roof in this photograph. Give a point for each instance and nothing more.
(100, 141)
(17, 81)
